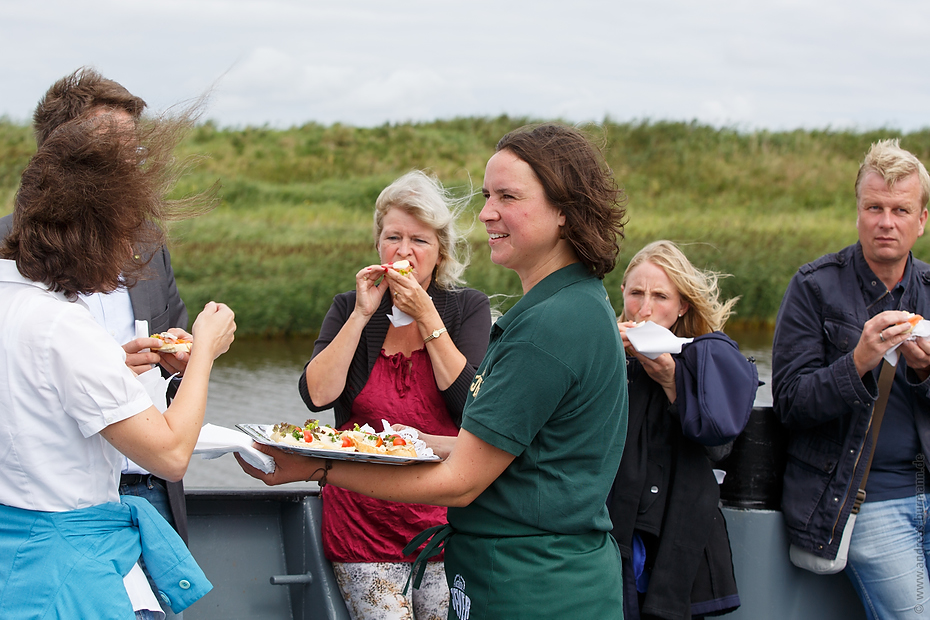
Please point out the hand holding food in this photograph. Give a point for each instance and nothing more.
(139, 355)
(176, 361)
(172, 343)
(883, 332)
(912, 321)
(623, 326)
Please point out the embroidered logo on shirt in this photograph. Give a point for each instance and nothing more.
(459, 600)
(476, 385)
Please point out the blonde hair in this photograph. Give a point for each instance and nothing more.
(424, 197)
(887, 159)
(698, 288)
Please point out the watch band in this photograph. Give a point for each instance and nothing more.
(436, 334)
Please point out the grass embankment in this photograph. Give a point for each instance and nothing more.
(295, 221)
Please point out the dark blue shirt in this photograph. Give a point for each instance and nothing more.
(893, 474)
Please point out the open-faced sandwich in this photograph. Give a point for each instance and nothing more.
(373, 443)
(324, 437)
(172, 344)
(312, 434)
(913, 320)
(402, 267)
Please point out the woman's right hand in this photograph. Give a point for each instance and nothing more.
(661, 369)
(215, 327)
(288, 467)
(623, 326)
(368, 294)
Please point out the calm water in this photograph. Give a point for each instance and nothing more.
(256, 382)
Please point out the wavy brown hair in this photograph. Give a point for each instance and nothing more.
(77, 94)
(92, 201)
(577, 181)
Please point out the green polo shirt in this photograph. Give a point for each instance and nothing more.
(551, 391)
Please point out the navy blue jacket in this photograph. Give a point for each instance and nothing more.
(820, 398)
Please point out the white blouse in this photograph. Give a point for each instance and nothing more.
(62, 380)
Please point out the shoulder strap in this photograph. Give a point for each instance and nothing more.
(885, 379)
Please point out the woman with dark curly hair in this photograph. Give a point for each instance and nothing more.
(527, 477)
(69, 405)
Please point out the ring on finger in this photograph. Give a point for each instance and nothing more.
(882, 336)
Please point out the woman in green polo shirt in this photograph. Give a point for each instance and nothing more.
(527, 477)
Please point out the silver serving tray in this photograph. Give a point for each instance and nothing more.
(262, 434)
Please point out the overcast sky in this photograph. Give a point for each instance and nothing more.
(778, 64)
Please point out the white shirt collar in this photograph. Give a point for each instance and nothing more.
(9, 273)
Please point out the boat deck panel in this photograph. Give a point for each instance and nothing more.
(242, 539)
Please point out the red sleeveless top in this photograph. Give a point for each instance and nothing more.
(357, 528)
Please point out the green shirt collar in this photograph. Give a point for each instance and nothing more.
(566, 276)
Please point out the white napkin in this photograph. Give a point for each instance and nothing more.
(653, 340)
(140, 593)
(215, 441)
(398, 317)
(921, 330)
(156, 387)
(142, 329)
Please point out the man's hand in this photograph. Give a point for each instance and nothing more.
(139, 356)
(917, 354)
(879, 335)
(176, 363)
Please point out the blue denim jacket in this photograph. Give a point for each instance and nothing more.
(819, 396)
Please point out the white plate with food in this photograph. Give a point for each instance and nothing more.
(362, 444)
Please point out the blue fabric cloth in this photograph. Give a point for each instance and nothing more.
(71, 564)
(155, 491)
(888, 558)
(716, 387)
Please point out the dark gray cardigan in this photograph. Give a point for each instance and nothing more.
(466, 314)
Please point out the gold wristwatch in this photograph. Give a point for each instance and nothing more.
(436, 334)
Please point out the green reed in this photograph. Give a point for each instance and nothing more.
(294, 225)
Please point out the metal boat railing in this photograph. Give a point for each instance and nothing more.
(263, 552)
